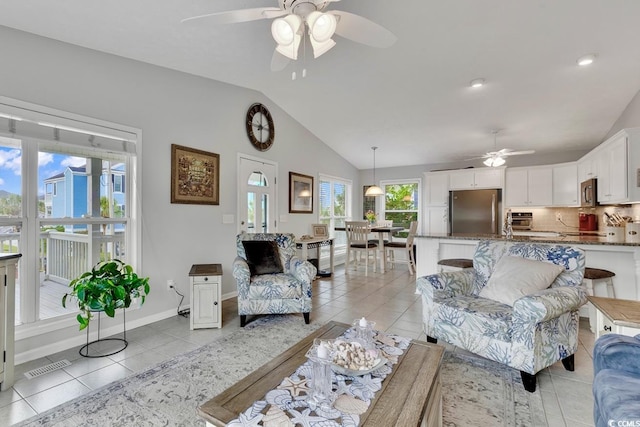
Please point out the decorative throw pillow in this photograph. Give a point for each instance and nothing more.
(262, 256)
(514, 277)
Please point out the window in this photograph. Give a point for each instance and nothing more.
(335, 208)
(62, 202)
(401, 202)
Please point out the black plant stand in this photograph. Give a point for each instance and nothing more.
(123, 340)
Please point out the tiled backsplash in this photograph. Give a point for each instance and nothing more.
(544, 219)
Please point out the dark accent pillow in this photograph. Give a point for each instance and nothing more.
(262, 256)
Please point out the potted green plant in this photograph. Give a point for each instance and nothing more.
(108, 286)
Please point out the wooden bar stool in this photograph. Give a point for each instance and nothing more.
(454, 264)
(592, 278)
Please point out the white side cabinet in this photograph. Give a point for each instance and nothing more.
(205, 283)
(7, 317)
(616, 316)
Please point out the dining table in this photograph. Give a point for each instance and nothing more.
(381, 230)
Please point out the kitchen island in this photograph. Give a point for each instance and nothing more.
(621, 258)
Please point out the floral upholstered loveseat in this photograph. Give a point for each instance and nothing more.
(532, 330)
(286, 289)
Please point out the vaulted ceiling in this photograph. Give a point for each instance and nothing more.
(413, 99)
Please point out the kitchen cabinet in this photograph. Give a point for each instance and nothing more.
(471, 179)
(612, 170)
(565, 185)
(587, 168)
(437, 220)
(205, 282)
(529, 186)
(437, 188)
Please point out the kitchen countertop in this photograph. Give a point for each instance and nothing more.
(560, 238)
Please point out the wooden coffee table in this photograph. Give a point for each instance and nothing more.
(410, 396)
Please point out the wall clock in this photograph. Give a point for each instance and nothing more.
(260, 128)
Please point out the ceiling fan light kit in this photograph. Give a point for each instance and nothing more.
(286, 32)
(293, 19)
(494, 162)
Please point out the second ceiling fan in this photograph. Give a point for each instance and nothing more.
(496, 157)
(294, 20)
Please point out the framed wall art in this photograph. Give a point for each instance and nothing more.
(320, 231)
(195, 176)
(300, 193)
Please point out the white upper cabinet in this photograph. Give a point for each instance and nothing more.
(587, 168)
(612, 170)
(565, 185)
(529, 186)
(472, 179)
(437, 188)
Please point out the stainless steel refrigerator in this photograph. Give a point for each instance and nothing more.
(475, 211)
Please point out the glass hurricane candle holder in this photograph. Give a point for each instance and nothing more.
(364, 332)
(322, 394)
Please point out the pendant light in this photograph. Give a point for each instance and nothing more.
(374, 190)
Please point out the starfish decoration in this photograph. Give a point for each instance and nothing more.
(385, 339)
(295, 387)
(304, 418)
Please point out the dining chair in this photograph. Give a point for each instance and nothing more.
(357, 243)
(406, 247)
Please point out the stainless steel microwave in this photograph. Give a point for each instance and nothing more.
(588, 192)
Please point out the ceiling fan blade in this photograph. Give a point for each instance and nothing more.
(517, 153)
(279, 61)
(240, 15)
(361, 30)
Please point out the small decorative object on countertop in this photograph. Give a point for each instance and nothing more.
(508, 228)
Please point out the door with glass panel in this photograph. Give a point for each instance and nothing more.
(257, 185)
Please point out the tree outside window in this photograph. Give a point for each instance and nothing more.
(401, 203)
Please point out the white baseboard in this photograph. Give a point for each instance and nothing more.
(77, 340)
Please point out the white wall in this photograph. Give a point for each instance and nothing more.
(169, 107)
(630, 117)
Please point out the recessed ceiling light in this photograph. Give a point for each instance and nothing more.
(477, 83)
(585, 60)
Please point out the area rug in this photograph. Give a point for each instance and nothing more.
(476, 391)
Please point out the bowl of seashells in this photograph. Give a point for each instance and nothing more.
(351, 358)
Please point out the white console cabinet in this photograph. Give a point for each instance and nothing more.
(7, 317)
(205, 283)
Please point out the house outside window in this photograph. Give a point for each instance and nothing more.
(52, 195)
(335, 209)
(401, 202)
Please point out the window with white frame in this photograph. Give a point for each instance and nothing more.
(401, 202)
(58, 205)
(335, 207)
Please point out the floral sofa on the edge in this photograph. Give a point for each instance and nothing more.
(287, 290)
(539, 328)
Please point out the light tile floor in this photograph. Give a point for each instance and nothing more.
(388, 298)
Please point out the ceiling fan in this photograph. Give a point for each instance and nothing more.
(295, 19)
(496, 157)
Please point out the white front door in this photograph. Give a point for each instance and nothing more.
(257, 195)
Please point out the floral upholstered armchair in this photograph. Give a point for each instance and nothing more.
(518, 305)
(270, 278)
